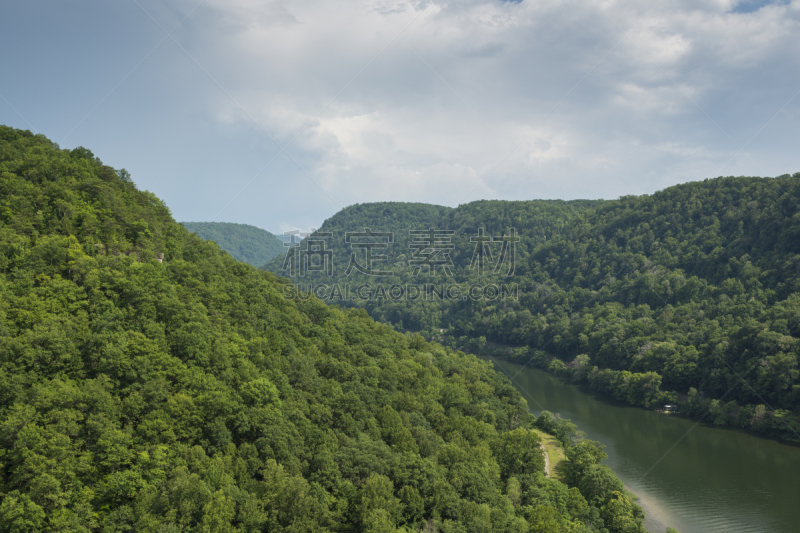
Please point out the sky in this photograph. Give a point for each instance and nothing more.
(279, 114)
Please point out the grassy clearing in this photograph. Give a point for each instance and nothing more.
(556, 454)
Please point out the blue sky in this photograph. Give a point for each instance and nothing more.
(278, 114)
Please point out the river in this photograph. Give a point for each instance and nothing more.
(693, 477)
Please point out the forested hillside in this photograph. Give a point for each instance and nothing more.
(690, 295)
(152, 382)
(248, 244)
(535, 220)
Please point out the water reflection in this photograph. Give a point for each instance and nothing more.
(693, 477)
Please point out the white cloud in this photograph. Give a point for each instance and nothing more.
(595, 113)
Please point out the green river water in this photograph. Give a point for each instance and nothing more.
(693, 477)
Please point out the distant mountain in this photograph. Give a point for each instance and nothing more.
(248, 244)
(654, 299)
(535, 220)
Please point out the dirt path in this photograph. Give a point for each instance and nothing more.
(546, 461)
(553, 455)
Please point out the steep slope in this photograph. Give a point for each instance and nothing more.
(691, 290)
(395, 217)
(535, 220)
(689, 294)
(245, 243)
(153, 383)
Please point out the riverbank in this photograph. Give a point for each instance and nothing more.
(696, 478)
(644, 391)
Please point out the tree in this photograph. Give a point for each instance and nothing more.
(598, 484)
(519, 451)
(378, 495)
(18, 514)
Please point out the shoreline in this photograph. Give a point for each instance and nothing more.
(680, 414)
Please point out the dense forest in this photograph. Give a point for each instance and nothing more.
(245, 243)
(689, 295)
(151, 382)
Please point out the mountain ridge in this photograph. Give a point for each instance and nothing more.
(676, 293)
